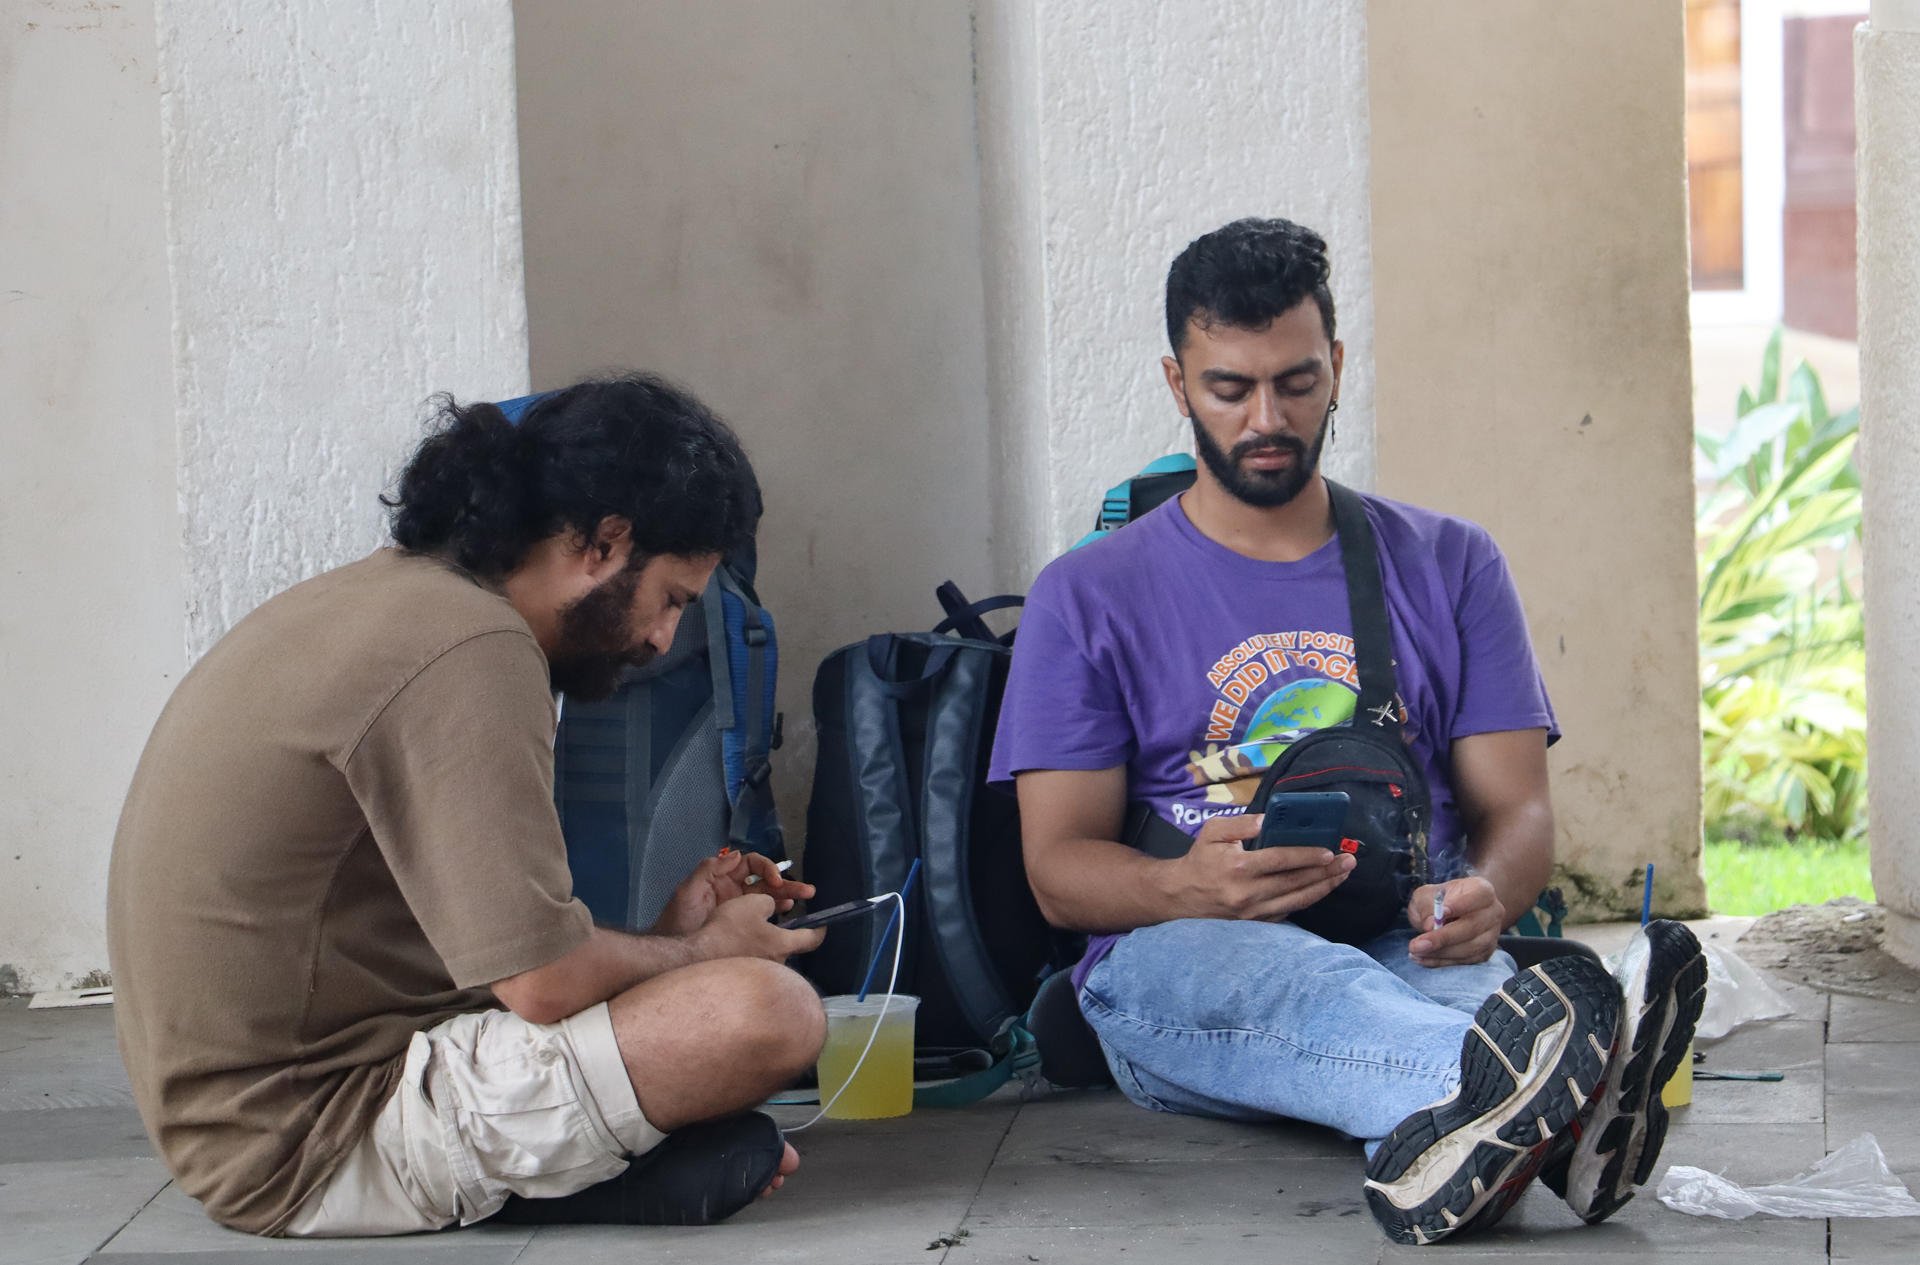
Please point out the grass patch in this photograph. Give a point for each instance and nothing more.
(1758, 878)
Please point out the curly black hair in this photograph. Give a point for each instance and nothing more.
(481, 490)
(1245, 274)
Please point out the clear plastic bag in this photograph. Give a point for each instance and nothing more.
(1852, 1182)
(1736, 994)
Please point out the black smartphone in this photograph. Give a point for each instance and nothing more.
(834, 913)
(1307, 819)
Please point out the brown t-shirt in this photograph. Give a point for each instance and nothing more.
(341, 830)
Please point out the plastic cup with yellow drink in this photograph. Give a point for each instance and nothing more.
(883, 1084)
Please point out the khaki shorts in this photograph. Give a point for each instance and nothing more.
(487, 1105)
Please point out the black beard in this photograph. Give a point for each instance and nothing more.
(1262, 489)
(596, 641)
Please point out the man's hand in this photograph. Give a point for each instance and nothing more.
(1225, 880)
(1474, 920)
(739, 928)
(717, 880)
(610, 962)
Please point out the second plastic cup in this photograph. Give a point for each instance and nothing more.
(1679, 1090)
(884, 1084)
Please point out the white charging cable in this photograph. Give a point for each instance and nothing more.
(879, 1019)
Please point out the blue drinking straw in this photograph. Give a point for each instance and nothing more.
(1646, 898)
(906, 888)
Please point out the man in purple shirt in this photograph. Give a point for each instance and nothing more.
(1169, 663)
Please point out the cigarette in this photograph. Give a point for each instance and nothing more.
(1440, 908)
(783, 867)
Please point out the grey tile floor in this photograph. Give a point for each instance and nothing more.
(1068, 1179)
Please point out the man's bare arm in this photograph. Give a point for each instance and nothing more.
(1500, 782)
(1086, 880)
(610, 962)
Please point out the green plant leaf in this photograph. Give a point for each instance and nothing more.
(1809, 471)
(1709, 446)
(1804, 386)
(1752, 432)
(1770, 368)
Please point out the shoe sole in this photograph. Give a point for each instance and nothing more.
(1622, 1139)
(1535, 1056)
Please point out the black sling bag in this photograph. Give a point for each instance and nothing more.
(1389, 806)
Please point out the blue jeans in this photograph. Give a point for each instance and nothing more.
(1264, 1021)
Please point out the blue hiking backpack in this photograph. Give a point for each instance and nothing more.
(676, 765)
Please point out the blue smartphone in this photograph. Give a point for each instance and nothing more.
(1307, 819)
(826, 917)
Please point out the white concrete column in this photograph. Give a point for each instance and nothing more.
(343, 223)
(1887, 114)
(248, 240)
(1110, 136)
(91, 627)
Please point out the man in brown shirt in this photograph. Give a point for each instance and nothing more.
(354, 991)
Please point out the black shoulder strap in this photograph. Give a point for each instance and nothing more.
(964, 617)
(1367, 601)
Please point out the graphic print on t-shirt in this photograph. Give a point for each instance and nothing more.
(1267, 692)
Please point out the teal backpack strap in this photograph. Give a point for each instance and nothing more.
(1128, 499)
(1545, 918)
(1014, 1053)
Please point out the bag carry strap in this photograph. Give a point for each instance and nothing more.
(881, 658)
(1379, 704)
(1367, 602)
(951, 750)
(754, 800)
(963, 616)
(886, 829)
(1147, 831)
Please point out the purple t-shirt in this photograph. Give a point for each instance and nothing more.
(1195, 666)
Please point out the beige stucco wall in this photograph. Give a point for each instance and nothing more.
(778, 206)
(1530, 297)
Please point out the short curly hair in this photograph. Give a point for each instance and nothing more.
(480, 490)
(1245, 274)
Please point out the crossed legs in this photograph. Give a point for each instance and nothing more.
(1262, 1021)
(710, 1040)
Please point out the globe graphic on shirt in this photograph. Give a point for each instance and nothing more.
(1299, 707)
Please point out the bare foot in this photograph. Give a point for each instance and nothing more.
(788, 1163)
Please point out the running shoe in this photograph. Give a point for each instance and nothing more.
(1664, 977)
(1534, 1058)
